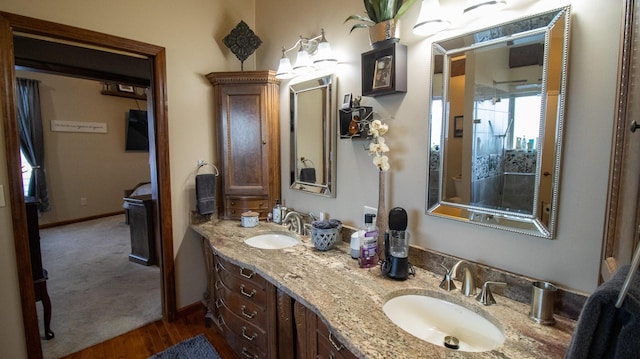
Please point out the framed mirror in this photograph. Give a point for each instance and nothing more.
(497, 110)
(313, 135)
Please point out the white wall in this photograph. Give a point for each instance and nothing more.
(572, 259)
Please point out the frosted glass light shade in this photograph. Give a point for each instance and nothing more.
(303, 62)
(285, 71)
(430, 20)
(479, 8)
(324, 56)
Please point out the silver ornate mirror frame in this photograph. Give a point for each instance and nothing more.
(485, 179)
(313, 135)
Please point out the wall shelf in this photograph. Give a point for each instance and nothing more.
(349, 114)
(384, 70)
(123, 90)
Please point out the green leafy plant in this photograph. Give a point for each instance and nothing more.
(379, 11)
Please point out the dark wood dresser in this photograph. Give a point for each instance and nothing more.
(39, 274)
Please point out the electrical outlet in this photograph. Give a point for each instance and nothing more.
(366, 210)
(2, 201)
(83, 201)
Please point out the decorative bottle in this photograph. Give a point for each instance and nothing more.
(369, 243)
(277, 213)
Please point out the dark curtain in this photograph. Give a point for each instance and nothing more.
(31, 139)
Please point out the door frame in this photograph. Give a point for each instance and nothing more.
(623, 196)
(158, 153)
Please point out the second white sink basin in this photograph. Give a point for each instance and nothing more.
(432, 319)
(272, 241)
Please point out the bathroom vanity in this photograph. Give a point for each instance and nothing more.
(298, 302)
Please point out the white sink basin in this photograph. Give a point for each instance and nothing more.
(272, 241)
(432, 319)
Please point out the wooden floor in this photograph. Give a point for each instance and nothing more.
(156, 337)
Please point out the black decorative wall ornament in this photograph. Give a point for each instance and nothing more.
(242, 41)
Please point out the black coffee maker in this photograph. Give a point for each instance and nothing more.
(396, 247)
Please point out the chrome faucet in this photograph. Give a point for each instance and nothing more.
(468, 282)
(293, 221)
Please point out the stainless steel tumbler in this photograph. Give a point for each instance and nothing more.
(542, 298)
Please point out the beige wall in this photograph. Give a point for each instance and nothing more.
(79, 165)
(572, 259)
(192, 30)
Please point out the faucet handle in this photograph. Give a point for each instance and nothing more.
(485, 297)
(447, 282)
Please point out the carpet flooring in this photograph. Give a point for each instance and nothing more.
(96, 292)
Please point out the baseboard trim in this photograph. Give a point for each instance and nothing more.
(78, 220)
(189, 309)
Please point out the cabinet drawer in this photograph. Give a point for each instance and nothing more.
(245, 309)
(245, 331)
(225, 269)
(328, 345)
(248, 293)
(241, 346)
(234, 207)
(247, 203)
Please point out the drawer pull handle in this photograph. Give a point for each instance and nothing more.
(218, 284)
(220, 321)
(219, 302)
(338, 347)
(246, 353)
(249, 316)
(253, 292)
(249, 338)
(217, 267)
(248, 276)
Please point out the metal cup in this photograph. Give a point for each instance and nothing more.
(542, 303)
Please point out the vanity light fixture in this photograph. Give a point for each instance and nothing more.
(430, 21)
(314, 53)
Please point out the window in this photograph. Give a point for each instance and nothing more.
(527, 110)
(26, 173)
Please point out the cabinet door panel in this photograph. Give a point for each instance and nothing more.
(243, 119)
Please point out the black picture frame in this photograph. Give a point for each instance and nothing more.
(458, 126)
(383, 72)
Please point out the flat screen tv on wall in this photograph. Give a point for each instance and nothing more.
(137, 131)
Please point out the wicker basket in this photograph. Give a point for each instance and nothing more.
(324, 239)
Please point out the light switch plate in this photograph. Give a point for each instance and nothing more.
(2, 202)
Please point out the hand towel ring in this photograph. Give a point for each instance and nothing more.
(304, 162)
(215, 169)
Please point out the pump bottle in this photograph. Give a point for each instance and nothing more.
(369, 243)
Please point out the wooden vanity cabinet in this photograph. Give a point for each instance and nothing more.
(242, 305)
(247, 125)
(258, 320)
(313, 337)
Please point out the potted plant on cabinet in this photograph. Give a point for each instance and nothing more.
(382, 20)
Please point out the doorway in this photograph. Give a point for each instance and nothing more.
(11, 24)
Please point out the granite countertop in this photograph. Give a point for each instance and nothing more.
(349, 299)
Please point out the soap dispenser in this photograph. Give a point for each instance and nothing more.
(369, 243)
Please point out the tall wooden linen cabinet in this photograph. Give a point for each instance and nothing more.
(248, 134)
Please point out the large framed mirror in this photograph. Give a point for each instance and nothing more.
(313, 135)
(497, 108)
